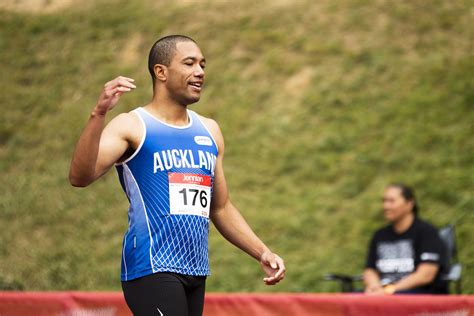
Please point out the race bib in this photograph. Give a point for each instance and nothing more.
(190, 194)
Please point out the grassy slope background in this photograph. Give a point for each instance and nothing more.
(321, 106)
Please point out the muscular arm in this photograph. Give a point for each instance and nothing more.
(98, 148)
(230, 223)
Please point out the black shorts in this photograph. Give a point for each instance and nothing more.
(165, 294)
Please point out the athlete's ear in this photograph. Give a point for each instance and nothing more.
(161, 72)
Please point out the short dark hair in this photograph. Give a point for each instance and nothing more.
(408, 194)
(162, 52)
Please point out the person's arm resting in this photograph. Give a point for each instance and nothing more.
(371, 277)
(424, 274)
(372, 282)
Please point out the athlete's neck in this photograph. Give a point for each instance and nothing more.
(168, 112)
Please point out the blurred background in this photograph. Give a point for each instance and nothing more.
(322, 104)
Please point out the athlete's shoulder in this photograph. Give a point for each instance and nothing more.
(123, 123)
(126, 119)
(212, 126)
(210, 123)
(126, 125)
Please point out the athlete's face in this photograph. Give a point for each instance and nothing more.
(395, 206)
(186, 73)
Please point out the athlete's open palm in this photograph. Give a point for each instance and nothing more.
(112, 92)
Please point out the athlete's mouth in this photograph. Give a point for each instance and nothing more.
(197, 85)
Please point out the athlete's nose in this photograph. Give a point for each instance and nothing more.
(199, 71)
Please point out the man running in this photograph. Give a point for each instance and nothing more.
(170, 165)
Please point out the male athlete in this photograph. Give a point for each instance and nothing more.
(170, 165)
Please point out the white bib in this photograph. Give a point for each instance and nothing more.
(190, 194)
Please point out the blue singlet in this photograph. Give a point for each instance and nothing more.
(168, 181)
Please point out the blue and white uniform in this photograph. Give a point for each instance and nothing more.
(168, 181)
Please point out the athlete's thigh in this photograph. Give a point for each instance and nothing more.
(159, 294)
(196, 297)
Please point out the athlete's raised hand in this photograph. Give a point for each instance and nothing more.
(112, 92)
(273, 266)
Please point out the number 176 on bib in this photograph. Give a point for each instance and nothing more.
(190, 194)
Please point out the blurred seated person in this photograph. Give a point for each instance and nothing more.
(408, 255)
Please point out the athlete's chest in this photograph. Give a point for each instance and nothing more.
(164, 150)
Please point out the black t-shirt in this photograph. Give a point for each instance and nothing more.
(394, 255)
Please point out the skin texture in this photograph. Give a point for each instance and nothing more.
(399, 212)
(176, 86)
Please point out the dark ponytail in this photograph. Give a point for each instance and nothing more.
(409, 194)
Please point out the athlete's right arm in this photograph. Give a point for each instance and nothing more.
(98, 148)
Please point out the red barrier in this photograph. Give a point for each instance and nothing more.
(113, 304)
(338, 304)
(63, 304)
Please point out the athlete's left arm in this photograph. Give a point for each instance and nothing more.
(231, 224)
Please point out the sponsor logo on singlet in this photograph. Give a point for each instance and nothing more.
(203, 140)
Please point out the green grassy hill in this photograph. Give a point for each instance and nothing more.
(321, 106)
